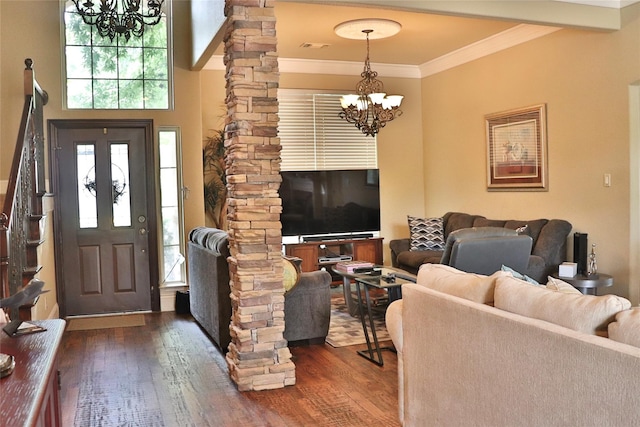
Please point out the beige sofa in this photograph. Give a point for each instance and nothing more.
(495, 351)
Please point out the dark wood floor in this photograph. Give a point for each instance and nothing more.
(168, 373)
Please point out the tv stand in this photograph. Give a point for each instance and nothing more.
(337, 237)
(318, 255)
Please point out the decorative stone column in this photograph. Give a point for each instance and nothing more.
(258, 356)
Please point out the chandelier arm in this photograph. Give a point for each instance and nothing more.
(123, 19)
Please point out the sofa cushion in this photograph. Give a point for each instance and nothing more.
(626, 328)
(584, 313)
(416, 258)
(484, 222)
(474, 287)
(426, 233)
(457, 220)
(533, 227)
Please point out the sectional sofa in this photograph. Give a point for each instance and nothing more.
(494, 351)
(549, 247)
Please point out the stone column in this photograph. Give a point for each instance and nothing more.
(258, 356)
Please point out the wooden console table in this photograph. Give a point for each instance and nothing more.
(29, 396)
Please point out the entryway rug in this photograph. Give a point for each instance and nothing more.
(345, 330)
(105, 322)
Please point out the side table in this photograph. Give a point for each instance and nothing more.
(588, 285)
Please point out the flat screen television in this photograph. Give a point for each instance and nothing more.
(330, 202)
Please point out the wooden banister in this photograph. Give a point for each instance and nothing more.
(22, 209)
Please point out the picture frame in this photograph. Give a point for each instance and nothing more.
(517, 149)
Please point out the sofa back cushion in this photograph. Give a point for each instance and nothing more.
(626, 327)
(456, 220)
(474, 287)
(584, 313)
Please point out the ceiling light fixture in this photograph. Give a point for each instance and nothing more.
(119, 17)
(370, 108)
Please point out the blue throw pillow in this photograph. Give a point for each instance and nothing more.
(518, 275)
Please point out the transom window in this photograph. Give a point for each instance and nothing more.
(116, 74)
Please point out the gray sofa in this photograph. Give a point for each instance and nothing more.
(307, 305)
(209, 301)
(549, 248)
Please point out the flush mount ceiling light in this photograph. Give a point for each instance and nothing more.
(369, 109)
(119, 17)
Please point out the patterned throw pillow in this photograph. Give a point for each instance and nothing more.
(426, 234)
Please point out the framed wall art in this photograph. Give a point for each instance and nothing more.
(517, 149)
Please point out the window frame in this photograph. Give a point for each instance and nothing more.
(181, 193)
(168, 11)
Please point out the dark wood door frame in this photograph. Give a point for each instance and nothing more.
(152, 217)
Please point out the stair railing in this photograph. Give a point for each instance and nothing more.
(22, 211)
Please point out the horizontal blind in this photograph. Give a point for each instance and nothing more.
(314, 137)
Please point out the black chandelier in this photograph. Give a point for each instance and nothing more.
(369, 109)
(119, 17)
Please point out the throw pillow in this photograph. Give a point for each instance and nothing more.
(426, 234)
(520, 276)
(561, 286)
(470, 286)
(589, 314)
(291, 272)
(626, 328)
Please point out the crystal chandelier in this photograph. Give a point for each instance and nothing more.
(119, 17)
(370, 108)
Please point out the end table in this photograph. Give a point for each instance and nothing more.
(588, 285)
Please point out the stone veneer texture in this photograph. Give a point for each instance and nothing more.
(258, 356)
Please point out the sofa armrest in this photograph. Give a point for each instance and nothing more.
(307, 308)
(397, 246)
(552, 244)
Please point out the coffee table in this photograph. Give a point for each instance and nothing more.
(352, 306)
(392, 283)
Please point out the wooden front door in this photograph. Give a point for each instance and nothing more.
(106, 259)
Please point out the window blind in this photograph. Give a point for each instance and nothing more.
(314, 137)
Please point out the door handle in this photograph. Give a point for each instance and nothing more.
(142, 231)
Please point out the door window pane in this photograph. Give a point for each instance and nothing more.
(87, 204)
(120, 194)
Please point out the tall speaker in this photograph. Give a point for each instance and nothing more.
(580, 251)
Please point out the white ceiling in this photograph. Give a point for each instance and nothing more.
(428, 42)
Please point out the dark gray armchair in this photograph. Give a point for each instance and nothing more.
(484, 250)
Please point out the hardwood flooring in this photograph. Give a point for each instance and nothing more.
(169, 373)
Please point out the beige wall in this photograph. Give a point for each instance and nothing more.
(583, 77)
(17, 42)
(432, 159)
(400, 157)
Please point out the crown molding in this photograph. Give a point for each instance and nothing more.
(314, 66)
(512, 37)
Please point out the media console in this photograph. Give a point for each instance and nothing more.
(318, 255)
